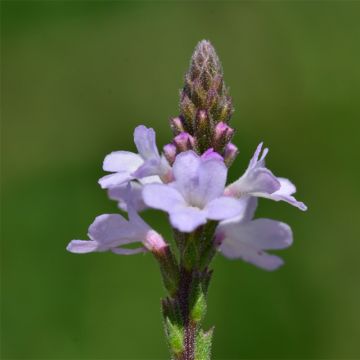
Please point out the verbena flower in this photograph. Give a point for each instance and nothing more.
(196, 193)
(261, 182)
(127, 165)
(188, 181)
(246, 239)
(110, 232)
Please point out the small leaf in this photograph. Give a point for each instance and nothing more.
(203, 345)
(175, 337)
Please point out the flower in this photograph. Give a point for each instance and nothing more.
(247, 239)
(261, 182)
(196, 194)
(127, 166)
(109, 232)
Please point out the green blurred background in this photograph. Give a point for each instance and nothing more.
(77, 77)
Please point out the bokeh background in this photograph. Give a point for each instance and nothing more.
(78, 76)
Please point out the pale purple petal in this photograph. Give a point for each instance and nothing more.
(259, 258)
(224, 208)
(145, 142)
(119, 193)
(122, 161)
(211, 154)
(116, 179)
(82, 246)
(185, 167)
(256, 180)
(108, 230)
(212, 175)
(262, 234)
(250, 207)
(284, 194)
(124, 251)
(187, 219)
(162, 197)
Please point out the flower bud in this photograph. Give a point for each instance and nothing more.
(154, 242)
(170, 153)
(223, 133)
(177, 125)
(184, 141)
(230, 153)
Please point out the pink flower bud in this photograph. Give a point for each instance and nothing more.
(223, 132)
(184, 141)
(230, 153)
(177, 125)
(170, 153)
(154, 242)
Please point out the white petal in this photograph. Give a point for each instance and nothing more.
(187, 219)
(162, 197)
(224, 207)
(122, 161)
(82, 246)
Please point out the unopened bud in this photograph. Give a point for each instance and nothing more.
(223, 132)
(184, 141)
(230, 153)
(154, 242)
(177, 125)
(170, 153)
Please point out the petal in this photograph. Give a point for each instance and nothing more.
(124, 251)
(250, 207)
(145, 142)
(116, 179)
(284, 194)
(185, 167)
(122, 161)
(162, 197)
(261, 234)
(110, 230)
(258, 258)
(224, 208)
(82, 246)
(257, 180)
(212, 175)
(187, 219)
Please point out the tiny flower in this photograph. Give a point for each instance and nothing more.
(110, 232)
(127, 166)
(261, 182)
(246, 239)
(196, 193)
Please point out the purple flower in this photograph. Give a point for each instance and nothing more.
(261, 182)
(246, 239)
(196, 194)
(110, 232)
(127, 166)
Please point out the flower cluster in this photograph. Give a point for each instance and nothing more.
(188, 181)
(192, 191)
